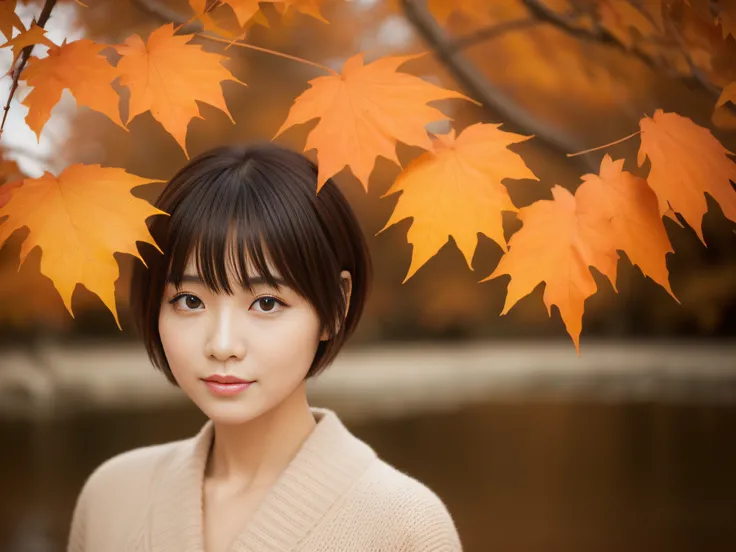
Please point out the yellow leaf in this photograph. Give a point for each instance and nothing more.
(456, 190)
(364, 112)
(556, 247)
(687, 162)
(79, 220)
(78, 67)
(166, 76)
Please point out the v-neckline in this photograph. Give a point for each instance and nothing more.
(325, 466)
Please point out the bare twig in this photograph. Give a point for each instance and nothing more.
(608, 145)
(269, 51)
(24, 56)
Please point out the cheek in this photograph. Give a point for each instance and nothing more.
(178, 341)
(289, 344)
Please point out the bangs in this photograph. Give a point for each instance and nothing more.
(225, 230)
(241, 212)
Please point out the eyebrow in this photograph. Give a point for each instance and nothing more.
(254, 280)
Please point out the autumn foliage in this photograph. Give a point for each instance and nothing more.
(457, 188)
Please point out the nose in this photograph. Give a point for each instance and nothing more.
(224, 342)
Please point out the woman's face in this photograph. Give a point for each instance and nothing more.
(266, 336)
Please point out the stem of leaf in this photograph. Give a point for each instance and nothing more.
(272, 52)
(25, 54)
(605, 145)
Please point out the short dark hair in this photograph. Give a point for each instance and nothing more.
(267, 195)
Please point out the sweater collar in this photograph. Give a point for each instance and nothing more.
(327, 463)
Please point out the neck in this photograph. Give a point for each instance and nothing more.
(256, 452)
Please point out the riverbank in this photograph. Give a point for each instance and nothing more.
(391, 379)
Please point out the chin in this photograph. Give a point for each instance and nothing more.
(231, 412)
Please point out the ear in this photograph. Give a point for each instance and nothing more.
(346, 284)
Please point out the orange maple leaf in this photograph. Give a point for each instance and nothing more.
(209, 23)
(34, 35)
(441, 10)
(556, 247)
(456, 190)
(727, 95)
(307, 7)
(6, 191)
(9, 19)
(9, 170)
(166, 76)
(246, 9)
(78, 67)
(627, 206)
(627, 21)
(687, 162)
(364, 112)
(79, 220)
(727, 18)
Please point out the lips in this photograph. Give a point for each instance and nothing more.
(225, 380)
(226, 385)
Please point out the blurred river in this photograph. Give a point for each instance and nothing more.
(517, 475)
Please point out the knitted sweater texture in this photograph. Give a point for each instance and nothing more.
(335, 495)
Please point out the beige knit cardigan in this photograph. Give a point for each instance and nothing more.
(335, 495)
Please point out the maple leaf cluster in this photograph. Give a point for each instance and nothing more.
(456, 188)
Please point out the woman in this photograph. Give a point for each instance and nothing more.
(260, 283)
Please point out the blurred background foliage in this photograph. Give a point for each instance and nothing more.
(573, 78)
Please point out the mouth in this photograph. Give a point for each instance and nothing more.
(226, 385)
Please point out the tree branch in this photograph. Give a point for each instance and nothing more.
(24, 56)
(481, 88)
(164, 12)
(489, 33)
(601, 35)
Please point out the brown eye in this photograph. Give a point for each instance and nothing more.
(191, 302)
(268, 304)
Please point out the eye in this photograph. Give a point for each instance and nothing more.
(268, 303)
(191, 301)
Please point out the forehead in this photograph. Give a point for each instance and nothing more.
(190, 267)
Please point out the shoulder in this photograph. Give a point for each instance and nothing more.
(115, 495)
(123, 473)
(411, 508)
(124, 482)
